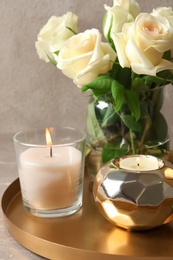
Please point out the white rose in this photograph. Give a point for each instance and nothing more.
(54, 34)
(123, 11)
(131, 6)
(141, 44)
(85, 56)
(165, 12)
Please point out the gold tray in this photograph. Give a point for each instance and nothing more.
(84, 235)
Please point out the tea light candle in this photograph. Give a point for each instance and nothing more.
(50, 182)
(140, 163)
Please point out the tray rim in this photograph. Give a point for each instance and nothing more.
(23, 237)
(39, 245)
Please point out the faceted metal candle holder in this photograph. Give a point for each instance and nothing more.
(132, 199)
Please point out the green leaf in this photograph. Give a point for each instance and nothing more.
(100, 85)
(118, 94)
(131, 123)
(141, 83)
(138, 84)
(165, 76)
(114, 150)
(167, 55)
(57, 52)
(122, 75)
(152, 81)
(132, 98)
(162, 78)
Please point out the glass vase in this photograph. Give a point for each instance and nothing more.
(109, 137)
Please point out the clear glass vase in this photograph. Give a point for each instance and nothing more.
(109, 137)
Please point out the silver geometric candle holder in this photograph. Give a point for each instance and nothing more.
(139, 197)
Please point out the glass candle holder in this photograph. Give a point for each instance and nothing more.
(51, 170)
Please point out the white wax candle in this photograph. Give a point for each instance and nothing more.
(140, 163)
(50, 182)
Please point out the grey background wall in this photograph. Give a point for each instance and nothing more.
(32, 92)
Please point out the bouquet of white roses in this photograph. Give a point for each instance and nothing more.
(135, 59)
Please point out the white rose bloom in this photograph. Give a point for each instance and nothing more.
(166, 12)
(131, 6)
(54, 34)
(122, 11)
(141, 44)
(84, 57)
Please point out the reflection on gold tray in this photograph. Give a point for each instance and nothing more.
(84, 235)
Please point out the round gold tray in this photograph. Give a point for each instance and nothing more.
(84, 235)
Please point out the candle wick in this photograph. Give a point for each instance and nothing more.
(50, 151)
(138, 164)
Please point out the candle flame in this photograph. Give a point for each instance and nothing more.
(48, 137)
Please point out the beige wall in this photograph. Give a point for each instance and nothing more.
(33, 93)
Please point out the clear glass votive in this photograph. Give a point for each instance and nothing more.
(51, 173)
